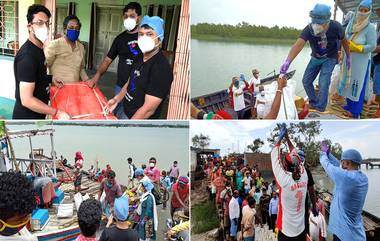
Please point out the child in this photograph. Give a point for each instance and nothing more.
(167, 183)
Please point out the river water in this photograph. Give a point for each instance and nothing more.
(112, 145)
(213, 64)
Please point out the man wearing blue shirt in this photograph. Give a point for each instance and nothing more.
(273, 210)
(351, 187)
(324, 36)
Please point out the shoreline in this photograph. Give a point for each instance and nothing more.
(247, 40)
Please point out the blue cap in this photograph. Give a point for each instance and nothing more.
(301, 154)
(320, 14)
(156, 23)
(352, 155)
(121, 208)
(366, 4)
(139, 172)
(148, 185)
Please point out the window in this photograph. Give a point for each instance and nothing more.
(9, 27)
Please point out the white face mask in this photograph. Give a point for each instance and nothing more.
(152, 164)
(129, 23)
(41, 34)
(317, 28)
(146, 44)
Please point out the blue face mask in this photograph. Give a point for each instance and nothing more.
(72, 34)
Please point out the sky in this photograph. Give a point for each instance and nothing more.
(232, 136)
(289, 13)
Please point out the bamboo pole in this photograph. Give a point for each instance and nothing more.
(179, 94)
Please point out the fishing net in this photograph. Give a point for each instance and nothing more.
(80, 102)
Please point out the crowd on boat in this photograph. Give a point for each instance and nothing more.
(345, 56)
(289, 204)
(144, 75)
(129, 215)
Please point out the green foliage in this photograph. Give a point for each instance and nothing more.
(256, 145)
(303, 135)
(244, 29)
(203, 217)
(201, 141)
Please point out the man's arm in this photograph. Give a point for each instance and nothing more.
(280, 174)
(333, 171)
(83, 74)
(101, 70)
(273, 113)
(296, 49)
(29, 101)
(151, 103)
(346, 46)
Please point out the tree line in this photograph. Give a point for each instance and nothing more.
(244, 29)
(302, 134)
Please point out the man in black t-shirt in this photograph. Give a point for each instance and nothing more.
(32, 82)
(125, 46)
(323, 35)
(122, 230)
(151, 75)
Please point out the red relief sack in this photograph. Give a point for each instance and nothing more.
(80, 102)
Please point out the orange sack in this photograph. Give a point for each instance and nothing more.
(80, 102)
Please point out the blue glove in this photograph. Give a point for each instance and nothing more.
(325, 147)
(242, 77)
(285, 66)
(282, 132)
(348, 61)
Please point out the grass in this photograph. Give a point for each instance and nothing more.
(268, 41)
(204, 217)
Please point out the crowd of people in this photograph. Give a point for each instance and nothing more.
(289, 204)
(144, 75)
(19, 197)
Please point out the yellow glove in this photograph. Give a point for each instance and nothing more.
(358, 48)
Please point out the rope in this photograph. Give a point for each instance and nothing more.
(103, 112)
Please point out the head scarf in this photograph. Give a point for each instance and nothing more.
(360, 20)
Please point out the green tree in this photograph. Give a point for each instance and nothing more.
(256, 145)
(201, 141)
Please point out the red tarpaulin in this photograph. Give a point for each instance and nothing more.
(80, 102)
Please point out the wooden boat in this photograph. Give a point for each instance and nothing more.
(370, 221)
(219, 100)
(56, 229)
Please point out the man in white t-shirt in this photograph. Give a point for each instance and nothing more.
(317, 226)
(255, 81)
(292, 181)
(237, 91)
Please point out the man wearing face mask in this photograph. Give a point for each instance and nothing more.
(126, 48)
(323, 35)
(112, 190)
(237, 91)
(65, 56)
(32, 82)
(350, 190)
(151, 76)
(16, 205)
(152, 171)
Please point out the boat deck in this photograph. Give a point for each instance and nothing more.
(66, 225)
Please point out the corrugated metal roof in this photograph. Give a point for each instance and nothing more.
(351, 5)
